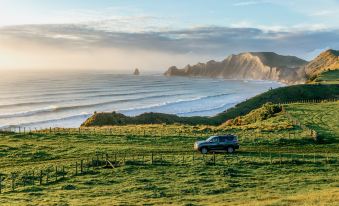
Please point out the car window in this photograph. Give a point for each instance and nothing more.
(210, 138)
(230, 137)
(215, 139)
(222, 139)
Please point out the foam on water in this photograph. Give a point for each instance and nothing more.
(68, 99)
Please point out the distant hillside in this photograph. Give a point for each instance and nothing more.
(251, 65)
(279, 95)
(328, 60)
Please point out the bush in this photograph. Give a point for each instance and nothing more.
(68, 187)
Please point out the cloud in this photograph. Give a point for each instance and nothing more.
(83, 46)
(324, 13)
(250, 3)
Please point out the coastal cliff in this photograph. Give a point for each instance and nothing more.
(250, 65)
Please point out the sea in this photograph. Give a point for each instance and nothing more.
(66, 99)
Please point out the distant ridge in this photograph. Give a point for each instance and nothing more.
(249, 65)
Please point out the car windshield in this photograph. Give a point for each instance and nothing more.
(210, 138)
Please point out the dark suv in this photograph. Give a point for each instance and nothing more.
(220, 143)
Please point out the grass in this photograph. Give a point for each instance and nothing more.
(249, 178)
(328, 77)
(323, 118)
(238, 184)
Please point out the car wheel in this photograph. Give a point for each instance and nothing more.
(230, 150)
(204, 150)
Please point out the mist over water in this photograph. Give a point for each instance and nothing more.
(66, 99)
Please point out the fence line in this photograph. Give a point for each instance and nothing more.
(306, 101)
(57, 173)
(313, 134)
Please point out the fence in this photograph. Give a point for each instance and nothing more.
(313, 133)
(59, 173)
(307, 101)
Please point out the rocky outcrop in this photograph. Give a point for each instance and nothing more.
(328, 60)
(251, 65)
(136, 72)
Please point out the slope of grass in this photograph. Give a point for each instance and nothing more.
(323, 118)
(328, 77)
(279, 95)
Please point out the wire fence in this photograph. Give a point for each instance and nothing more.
(309, 101)
(52, 174)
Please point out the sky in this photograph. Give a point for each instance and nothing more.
(155, 34)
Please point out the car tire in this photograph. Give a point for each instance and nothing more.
(204, 150)
(230, 150)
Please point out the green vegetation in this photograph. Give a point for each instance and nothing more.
(277, 164)
(267, 111)
(323, 118)
(328, 77)
(279, 95)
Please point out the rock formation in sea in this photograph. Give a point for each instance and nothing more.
(136, 72)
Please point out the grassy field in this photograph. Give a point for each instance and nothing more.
(329, 77)
(321, 117)
(278, 164)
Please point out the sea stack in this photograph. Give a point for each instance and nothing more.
(136, 72)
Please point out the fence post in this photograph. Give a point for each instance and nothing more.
(13, 176)
(56, 173)
(40, 178)
(81, 165)
(63, 172)
(33, 177)
(271, 157)
(327, 158)
(0, 183)
(47, 175)
(76, 168)
(152, 158)
(214, 158)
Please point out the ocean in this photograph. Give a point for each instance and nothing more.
(66, 99)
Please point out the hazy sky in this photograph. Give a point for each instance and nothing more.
(153, 35)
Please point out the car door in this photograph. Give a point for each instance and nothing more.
(222, 143)
(214, 143)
